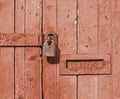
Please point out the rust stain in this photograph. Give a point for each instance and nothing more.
(20, 97)
(22, 7)
(106, 17)
(32, 58)
(68, 15)
(37, 14)
(31, 79)
(49, 7)
(86, 46)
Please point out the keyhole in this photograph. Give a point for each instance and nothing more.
(49, 42)
(49, 39)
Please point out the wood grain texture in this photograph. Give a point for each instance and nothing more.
(7, 74)
(19, 73)
(49, 68)
(116, 48)
(7, 54)
(88, 27)
(88, 44)
(104, 22)
(20, 39)
(32, 73)
(66, 28)
(32, 55)
(88, 87)
(104, 13)
(19, 52)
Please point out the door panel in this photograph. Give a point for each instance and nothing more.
(88, 27)
(7, 73)
(32, 55)
(49, 70)
(20, 67)
(116, 48)
(88, 44)
(104, 13)
(66, 29)
(84, 27)
(32, 73)
(7, 54)
(19, 52)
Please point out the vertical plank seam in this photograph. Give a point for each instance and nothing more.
(57, 65)
(98, 45)
(40, 51)
(77, 87)
(14, 73)
(98, 13)
(77, 25)
(56, 55)
(14, 49)
(42, 91)
(77, 34)
(42, 17)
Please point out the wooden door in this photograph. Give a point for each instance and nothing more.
(87, 29)
(87, 61)
(20, 61)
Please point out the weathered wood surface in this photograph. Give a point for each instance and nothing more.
(83, 27)
(88, 44)
(105, 45)
(66, 28)
(116, 48)
(32, 66)
(49, 69)
(7, 54)
(20, 39)
(19, 52)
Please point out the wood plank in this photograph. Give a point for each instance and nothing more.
(19, 73)
(19, 52)
(116, 48)
(7, 54)
(88, 27)
(88, 44)
(105, 81)
(32, 55)
(20, 39)
(104, 13)
(32, 73)
(49, 70)
(7, 73)
(66, 28)
(88, 87)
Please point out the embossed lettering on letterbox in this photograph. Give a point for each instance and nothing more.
(85, 64)
(76, 65)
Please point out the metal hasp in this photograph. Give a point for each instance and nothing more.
(50, 44)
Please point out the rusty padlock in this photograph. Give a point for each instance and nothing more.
(50, 44)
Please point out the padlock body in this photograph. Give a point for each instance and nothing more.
(49, 50)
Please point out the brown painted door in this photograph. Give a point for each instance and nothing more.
(88, 53)
(20, 61)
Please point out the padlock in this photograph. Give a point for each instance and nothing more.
(50, 45)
